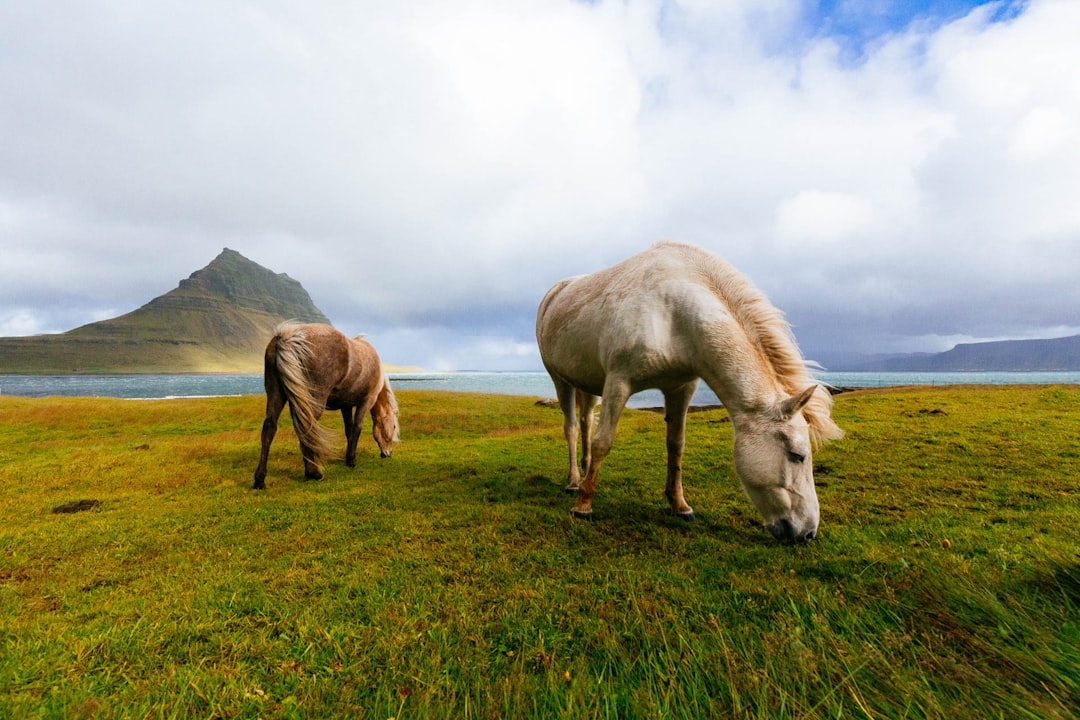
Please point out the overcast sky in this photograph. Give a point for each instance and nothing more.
(896, 176)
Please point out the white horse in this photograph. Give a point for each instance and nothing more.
(664, 319)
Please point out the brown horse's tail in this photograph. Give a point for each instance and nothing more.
(291, 357)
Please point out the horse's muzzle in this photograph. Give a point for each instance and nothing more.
(786, 533)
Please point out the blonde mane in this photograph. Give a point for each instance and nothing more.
(769, 333)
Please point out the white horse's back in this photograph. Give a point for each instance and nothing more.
(648, 317)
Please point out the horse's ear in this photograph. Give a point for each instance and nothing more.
(795, 403)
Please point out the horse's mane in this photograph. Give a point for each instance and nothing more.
(770, 334)
(391, 401)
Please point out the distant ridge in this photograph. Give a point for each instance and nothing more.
(1059, 354)
(217, 320)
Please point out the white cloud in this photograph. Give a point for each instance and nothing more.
(20, 321)
(819, 218)
(1043, 132)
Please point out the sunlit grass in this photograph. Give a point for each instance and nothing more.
(450, 581)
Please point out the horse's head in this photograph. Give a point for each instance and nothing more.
(774, 464)
(384, 416)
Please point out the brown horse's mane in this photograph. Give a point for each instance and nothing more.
(770, 334)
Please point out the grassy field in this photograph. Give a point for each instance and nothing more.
(450, 581)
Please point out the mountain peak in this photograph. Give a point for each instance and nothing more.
(233, 278)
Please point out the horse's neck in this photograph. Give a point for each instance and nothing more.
(744, 398)
(739, 376)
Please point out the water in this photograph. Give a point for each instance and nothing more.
(539, 384)
(130, 386)
(535, 384)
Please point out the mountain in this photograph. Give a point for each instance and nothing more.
(217, 320)
(1061, 354)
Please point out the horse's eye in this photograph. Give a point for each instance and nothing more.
(795, 457)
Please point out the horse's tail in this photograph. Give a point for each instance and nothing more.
(291, 357)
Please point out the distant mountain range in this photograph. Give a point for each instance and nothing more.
(1060, 354)
(217, 320)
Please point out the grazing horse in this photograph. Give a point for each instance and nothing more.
(314, 367)
(664, 319)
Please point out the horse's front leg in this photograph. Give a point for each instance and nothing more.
(352, 420)
(676, 403)
(616, 393)
(275, 402)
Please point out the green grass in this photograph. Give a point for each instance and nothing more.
(450, 581)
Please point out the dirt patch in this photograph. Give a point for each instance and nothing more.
(77, 506)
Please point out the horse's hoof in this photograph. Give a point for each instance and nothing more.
(688, 517)
(586, 516)
(258, 486)
(572, 489)
(313, 476)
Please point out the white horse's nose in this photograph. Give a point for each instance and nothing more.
(786, 533)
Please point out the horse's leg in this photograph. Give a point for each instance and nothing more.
(352, 432)
(312, 465)
(586, 406)
(616, 393)
(357, 426)
(676, 403)
(275, 402)
(565, 392)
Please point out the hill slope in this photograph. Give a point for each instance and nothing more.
(1060, 354)
(217, 320)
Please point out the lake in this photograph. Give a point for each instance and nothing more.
(535, 384)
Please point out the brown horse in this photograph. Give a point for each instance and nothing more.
(314, 367)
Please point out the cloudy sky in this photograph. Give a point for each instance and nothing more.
(896, 176)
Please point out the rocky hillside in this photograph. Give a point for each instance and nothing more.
(217, 320)
(1060, 354)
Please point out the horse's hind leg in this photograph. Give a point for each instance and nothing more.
(566, 395)
(676, 403)
(313, 468)
(616, 393)
(275, 402)
(586, 405)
